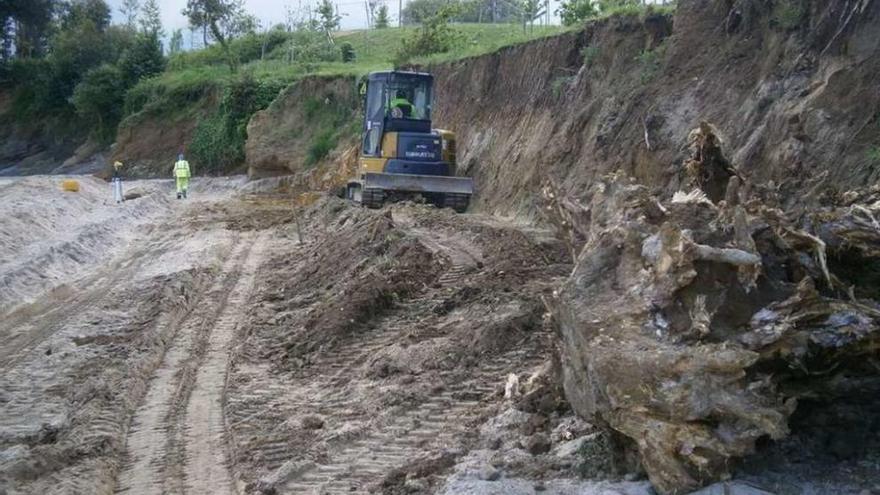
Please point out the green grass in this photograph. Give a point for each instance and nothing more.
(190, 76)
(479, 39)
(639, 10)
(375, 49)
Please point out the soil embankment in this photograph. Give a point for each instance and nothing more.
(794, 100)
(689, 255)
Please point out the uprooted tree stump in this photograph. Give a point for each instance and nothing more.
(693, 329)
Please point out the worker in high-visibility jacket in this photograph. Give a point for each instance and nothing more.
(182, 174)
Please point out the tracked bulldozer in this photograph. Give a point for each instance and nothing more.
(402, 155)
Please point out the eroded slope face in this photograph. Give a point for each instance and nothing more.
(695, 329)
(794, 101)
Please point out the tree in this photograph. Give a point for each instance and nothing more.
(433, 36)
(224, 19)
(99, 99)
(572, 12)
(25, 25)
(151, 19)
(507, 11)
(130, 10)
(529, 10)
(176, 43)
(382, 20)
(78, 12)
(329, 19)
(142, 60)
(83, 41)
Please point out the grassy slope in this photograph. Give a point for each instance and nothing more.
(374, 50)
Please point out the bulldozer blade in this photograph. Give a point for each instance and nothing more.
(419, 183)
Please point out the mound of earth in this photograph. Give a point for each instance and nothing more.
(697, 327)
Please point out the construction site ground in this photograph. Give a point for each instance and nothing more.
(225, 344)
(239, 342)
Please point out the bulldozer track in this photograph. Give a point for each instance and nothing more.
(356, 463)
(365, 444)
(176, 442)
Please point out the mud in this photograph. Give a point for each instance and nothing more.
(385, 327)
(235, 344)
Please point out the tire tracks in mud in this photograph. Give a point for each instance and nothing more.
(22, 330)
(177, 440)
(360, 456)
(356, 463)
(26, 326)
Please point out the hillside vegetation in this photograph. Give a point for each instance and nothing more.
(70, 78)
(289, 56)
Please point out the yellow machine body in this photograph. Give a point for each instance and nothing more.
(402, 156)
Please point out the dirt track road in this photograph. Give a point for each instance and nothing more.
(182, 413)
(209, 352)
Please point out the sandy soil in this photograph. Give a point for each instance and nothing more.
(225, 344)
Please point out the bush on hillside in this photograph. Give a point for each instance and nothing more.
(572, 12)
(142, 60)
(347, 52)
(99, 98)
(311, 46)
(246, 49)
(218, 141)
(162, 95)
(435, 35)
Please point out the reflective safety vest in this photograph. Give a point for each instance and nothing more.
(181, 168)
(405, 106)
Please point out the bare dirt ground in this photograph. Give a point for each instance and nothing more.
(227, 344)
(199, 347)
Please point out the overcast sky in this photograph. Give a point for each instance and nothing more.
(269, 12)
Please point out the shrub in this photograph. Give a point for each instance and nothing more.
(560, 83)
(433, 36)
(218, 141)
(171, 94)
(322, 145)
(650, 62)
(572, 12)
(589, 53)
(142, 60)
(245, 49)
(308, 46)
(98, 99)
(347, 52)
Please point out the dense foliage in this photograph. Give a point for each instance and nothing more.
(503, 11)
(71, 74)
(573, 12)
(77, 67)
(218, 143)
(435, 35)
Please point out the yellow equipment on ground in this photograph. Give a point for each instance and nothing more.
(70, 185)
(402, 156)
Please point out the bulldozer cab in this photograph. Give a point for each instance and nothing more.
(395, 101)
